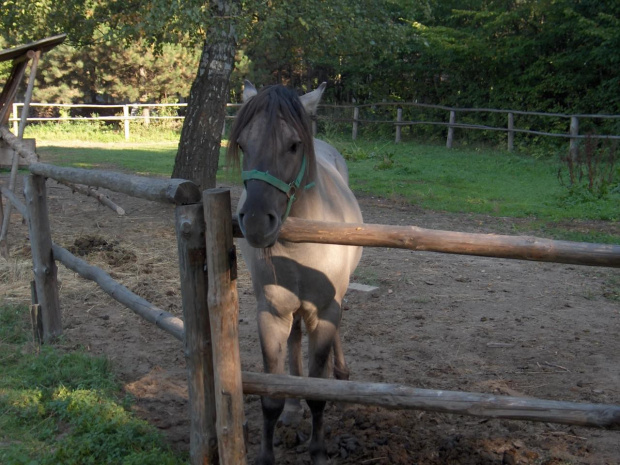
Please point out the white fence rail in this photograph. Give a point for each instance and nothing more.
(134, 112)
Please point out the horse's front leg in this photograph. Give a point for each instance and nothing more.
(273, 331)
(292, 407)
(321, 343)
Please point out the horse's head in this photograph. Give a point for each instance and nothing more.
(273, 131)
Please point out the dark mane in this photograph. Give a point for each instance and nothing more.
(274, 103)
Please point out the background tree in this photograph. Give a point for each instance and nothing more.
(543, 55)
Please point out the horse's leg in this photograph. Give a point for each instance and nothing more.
(292, 407)
(341, 370)
(321, 344)
(273, 331)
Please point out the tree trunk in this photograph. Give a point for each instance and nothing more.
(199, 147)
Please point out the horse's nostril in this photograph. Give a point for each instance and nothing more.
(273, 220)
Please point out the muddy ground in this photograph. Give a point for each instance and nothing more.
(436, 321)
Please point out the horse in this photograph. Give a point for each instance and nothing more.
(288, 173)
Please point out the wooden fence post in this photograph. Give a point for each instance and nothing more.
(356, 115)
(4, 245)
(574, 142)
(451, 129)
(190, 229)
(15, 119)
(511, 133)
(126, 120)
(399, 118)
(223, 304)
(44, 266)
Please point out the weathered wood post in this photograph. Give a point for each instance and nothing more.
(190, 229)
(223, 304)
(451, 129)
(126, 120)
(399, 119)
(574, 142)
(4, 245)
(15, 119)
(356, 116)
(511, 133)
(44, 266)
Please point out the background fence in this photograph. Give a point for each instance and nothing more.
(416, 119)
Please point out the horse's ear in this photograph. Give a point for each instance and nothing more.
(311, 100)
(249, 90)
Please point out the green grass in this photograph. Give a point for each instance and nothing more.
(66, 408)
(143, 159)
(98, 131)
(475, 181)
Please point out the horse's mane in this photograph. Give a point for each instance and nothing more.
(275, 103)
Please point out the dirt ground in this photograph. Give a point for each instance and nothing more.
(436, 321)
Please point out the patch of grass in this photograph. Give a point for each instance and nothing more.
(102, 132)
(145, 159)
(611, 288)
(66, 407)
(364, 275)
(469, 180)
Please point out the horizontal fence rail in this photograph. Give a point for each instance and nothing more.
(432, 240)
(398, 396)
(141, 112)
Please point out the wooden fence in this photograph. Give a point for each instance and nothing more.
(209, 329)
(142, 113)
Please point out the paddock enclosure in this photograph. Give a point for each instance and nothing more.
(440, 322)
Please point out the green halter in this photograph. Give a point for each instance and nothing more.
(289, 189)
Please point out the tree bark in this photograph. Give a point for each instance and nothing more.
(199, 147)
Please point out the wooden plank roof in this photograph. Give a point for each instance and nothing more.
(44, 45)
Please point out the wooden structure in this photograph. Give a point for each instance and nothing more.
(210, 308)
(10, 155)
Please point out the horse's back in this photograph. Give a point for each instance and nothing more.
(326, 153)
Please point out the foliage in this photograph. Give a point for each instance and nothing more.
(591, 172)
(550, 55)
(66, 407)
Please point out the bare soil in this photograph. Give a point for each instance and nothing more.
(436, 321)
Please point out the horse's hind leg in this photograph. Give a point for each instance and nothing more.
(292, 407)
(321, 343)
(341, 370)
(273, 331)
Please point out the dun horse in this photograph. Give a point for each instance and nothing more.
(288, 173)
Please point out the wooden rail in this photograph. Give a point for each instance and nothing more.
(397, 396)
(176, 191)
(420, 239)
(451, 124)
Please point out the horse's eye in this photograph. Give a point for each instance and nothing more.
(294, 147)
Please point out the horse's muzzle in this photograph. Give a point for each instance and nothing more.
(261, 230)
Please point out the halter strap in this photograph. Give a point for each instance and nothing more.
(289, 189)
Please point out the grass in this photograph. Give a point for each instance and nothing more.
(66, 408)
(470, 180)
